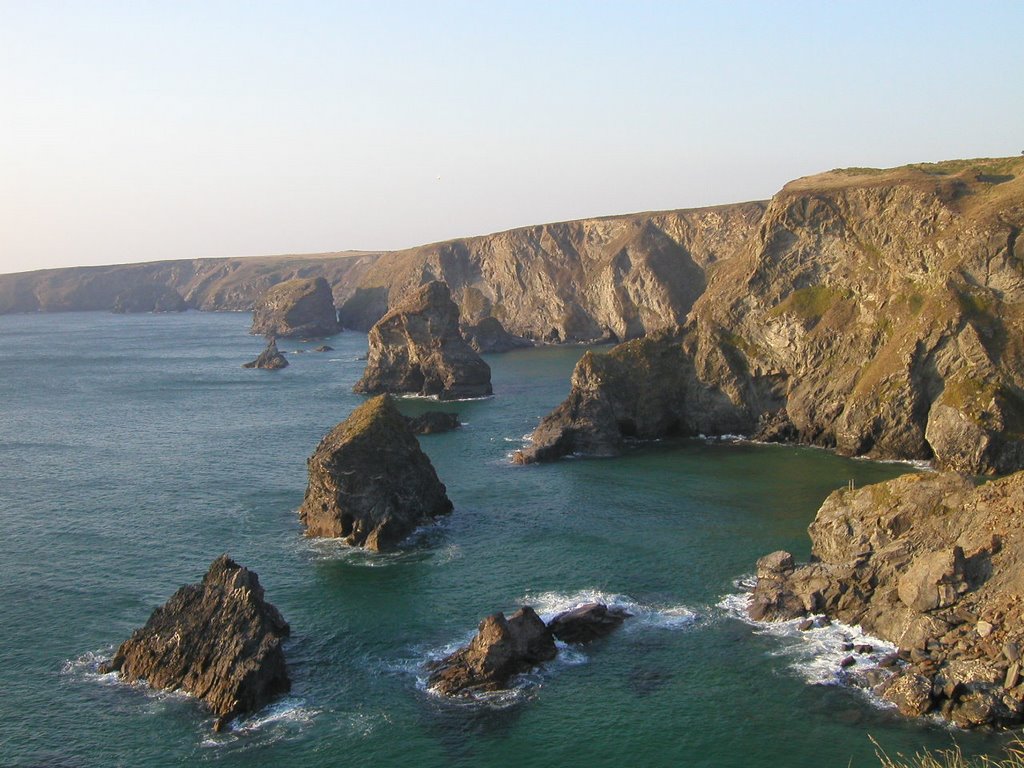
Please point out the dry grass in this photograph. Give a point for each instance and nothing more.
(953, 758)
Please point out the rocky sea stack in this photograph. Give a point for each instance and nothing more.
(299, 308)
(218, 640)
(933, 564)
(417, 348)
(269, 359)
(879, 313)
(369, 482)
(489, 336)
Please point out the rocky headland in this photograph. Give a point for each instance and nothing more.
(369, 483)
(219, 640)
(299, 308)
(933, 564)
(148, 298)
(417, 348)
(879, 313)
(270, 359)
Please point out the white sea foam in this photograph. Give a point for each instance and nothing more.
(550, 604)
(815, 654)
(410, 550)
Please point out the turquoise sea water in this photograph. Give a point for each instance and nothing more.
(135, 449)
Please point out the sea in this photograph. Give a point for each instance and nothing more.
(135, 449)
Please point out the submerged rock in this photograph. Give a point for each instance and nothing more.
(501, 649)
(931, 563)
(269, 359)
(489, 336)
(417, 348)
(324, 348)
(587, 622)
(299, 308)
(433, 422)
(218, 640)
(369, 482)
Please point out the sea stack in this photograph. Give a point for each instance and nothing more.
(218, 640)
(417, 348)
(299, 308)
(369, 482)
(269, 359)
(931, 563)
(489, 336)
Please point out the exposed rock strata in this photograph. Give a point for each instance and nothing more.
(501, 649)
(301, 308)
(270, 359)
(489, 336)
(369, 482)
(877, 313)
(928, 562)
(148, 298)
(218, 640)
(433, 422)
(417, 348)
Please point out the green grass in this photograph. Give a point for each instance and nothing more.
(952, 758)
(811, 303)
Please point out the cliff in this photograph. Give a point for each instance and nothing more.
(301, 307)
(880, 313)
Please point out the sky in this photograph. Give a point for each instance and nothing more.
(140, 131)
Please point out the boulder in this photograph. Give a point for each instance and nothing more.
(489, 336)
(324, 348)
(299, 308)
(911, 693)
(417, 348)
(369, 482)
(433, 422)
(218, 640)
(269, 359)
(586, 623)
(501, 649)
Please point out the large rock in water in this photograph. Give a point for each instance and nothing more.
(296, 308)
(500, 649)
(489, 336)
(931, 563)
(369, 482)
(269, 359)
(588, 622)
(218, 640)
(417, 348)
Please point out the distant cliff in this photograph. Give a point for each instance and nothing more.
(617, 277)
(880, 313)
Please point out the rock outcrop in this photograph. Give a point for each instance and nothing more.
(879, 313)
(369, 482)
(586, 623)
(417, 348)
(933, 564)
(489, 336)
(269, 359)
(218, 640)
(501, 649)
(148, 298)
(433, 422)
(300, 308)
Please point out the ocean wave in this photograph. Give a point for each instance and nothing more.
(550, 604)
(423, 544)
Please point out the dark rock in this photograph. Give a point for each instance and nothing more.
(218, 640)
(501, 649)
(587, 622)
(806, 625)
(911, 693)
(848, 661)
(269, 359)
(489, 336)
(296, 309)
(149, 298)
(433, 422)
(323, 348)
(369, 482)
(417, 348)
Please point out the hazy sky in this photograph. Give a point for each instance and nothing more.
(134, 131)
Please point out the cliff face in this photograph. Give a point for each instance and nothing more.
(880, 313)
(297, 308)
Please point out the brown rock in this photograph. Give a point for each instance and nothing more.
(911, 693)
(299, 308)
(369, 482)
(269, 359)
(433, 422)
(587, 622)
(489, 336)
(218, 640)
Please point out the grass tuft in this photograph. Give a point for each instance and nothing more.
(952, 758)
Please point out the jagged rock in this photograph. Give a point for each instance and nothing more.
(587, 622)
(148, 298)
(916, 561)
(218, 640)
(433, 422)
(500, 649)
(369, 482)
(299, 308)
(269, 359)
(417, 348)
(844, 322)
(324, 348)
(489, 336)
